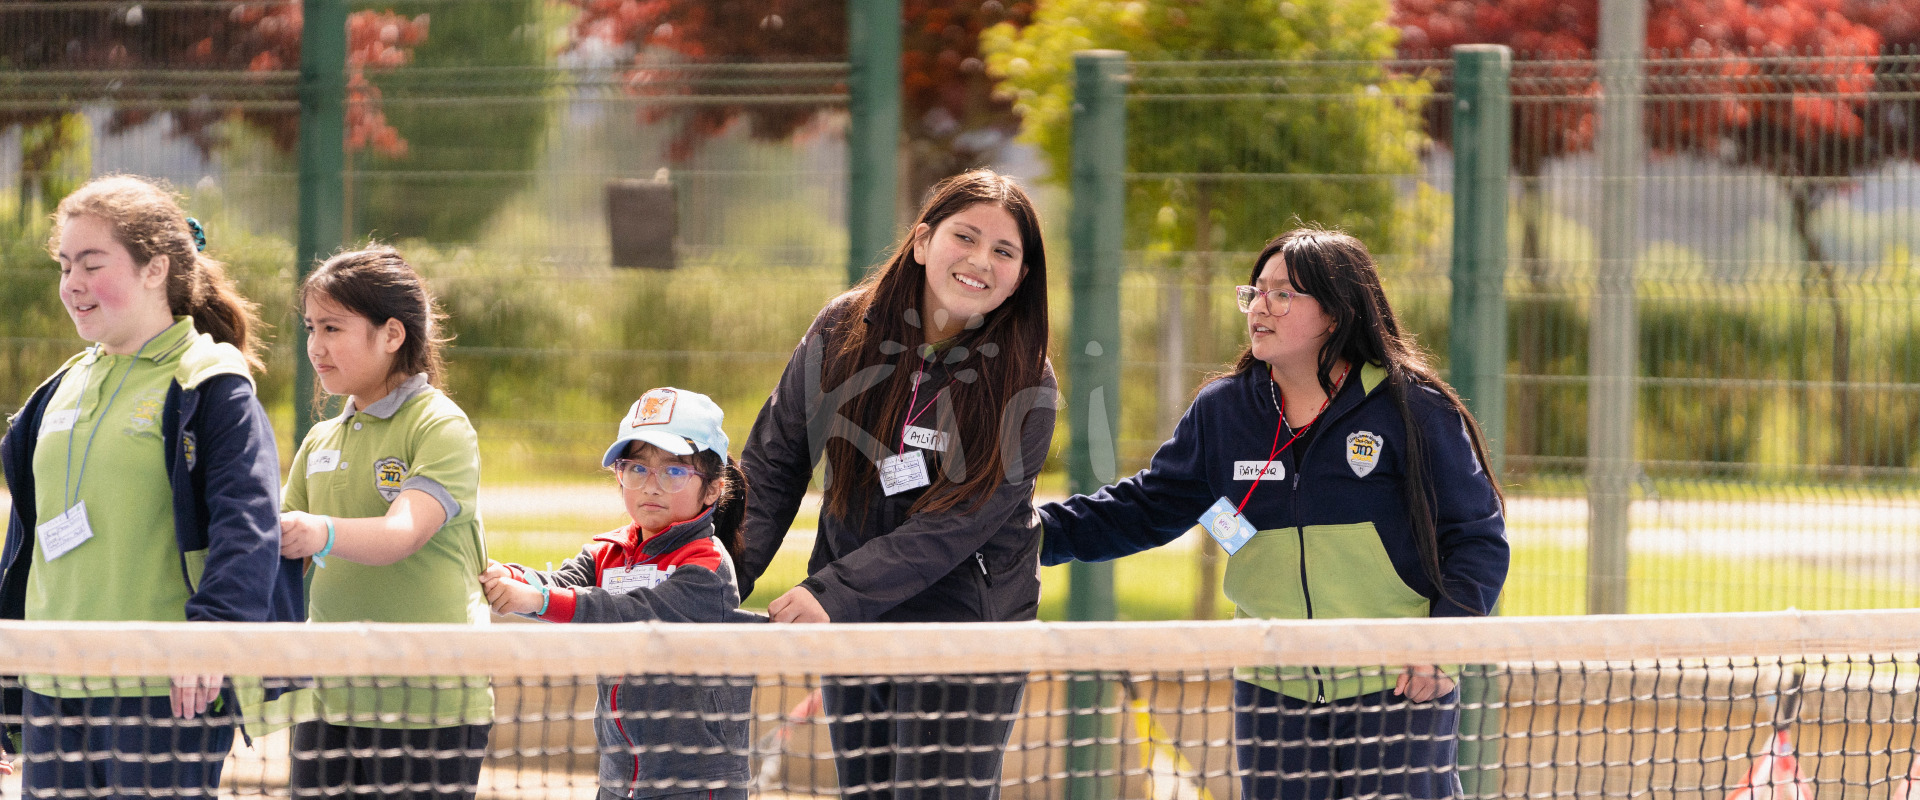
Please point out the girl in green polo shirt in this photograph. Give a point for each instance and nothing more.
(145, 465)
(383, 499)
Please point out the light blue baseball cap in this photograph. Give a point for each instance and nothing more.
(675, 420)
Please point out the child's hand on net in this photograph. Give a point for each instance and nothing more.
(508, 594)
(1423, 682)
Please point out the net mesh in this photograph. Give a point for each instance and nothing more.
(1774, 705)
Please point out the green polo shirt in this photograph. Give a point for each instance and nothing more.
(101, 444)
(354, 466)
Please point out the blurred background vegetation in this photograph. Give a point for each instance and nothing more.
(486, 131)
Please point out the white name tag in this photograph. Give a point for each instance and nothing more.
(903, 472)
(323, 461)
(1226, 526)
(57, 421)
(63, 533)
(627, 579)
(926, 438)
(1247, 470)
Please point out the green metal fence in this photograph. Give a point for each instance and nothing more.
(486, 151)
(1775, 459)
(1777, 388)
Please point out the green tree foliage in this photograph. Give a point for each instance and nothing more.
(483, 149)
(1340, 120)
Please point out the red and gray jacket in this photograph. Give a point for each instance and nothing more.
(659, 734)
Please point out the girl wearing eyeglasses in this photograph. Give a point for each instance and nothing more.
(927, 391)
(384, 500)
(681, 737)
(1345, 480)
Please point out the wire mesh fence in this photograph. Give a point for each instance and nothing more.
(1778, 211)
(1799, 705)
(1779, 215)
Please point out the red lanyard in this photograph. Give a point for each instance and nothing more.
(1275, 452)
(912, 415)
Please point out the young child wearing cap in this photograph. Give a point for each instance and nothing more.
(669, 458)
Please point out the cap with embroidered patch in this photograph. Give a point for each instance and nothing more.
(675, 420)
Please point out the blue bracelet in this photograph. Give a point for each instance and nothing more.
(320, 558)
(545, 598)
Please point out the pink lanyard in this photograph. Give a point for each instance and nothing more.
(1275, 453)
(912, 415)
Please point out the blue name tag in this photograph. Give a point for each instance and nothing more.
(1226, 526)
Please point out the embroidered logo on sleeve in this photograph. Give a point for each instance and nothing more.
(1363, 451)
(388, 474)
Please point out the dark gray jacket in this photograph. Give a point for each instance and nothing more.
(880, 564)
(661, 734)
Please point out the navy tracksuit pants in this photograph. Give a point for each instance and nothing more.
(120, 746)
(1373, 745)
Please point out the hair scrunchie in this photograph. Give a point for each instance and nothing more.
(199, 234)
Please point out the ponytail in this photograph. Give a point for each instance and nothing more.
(205, 292)
(730, 511)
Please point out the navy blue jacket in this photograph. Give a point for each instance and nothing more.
(1335, 537)
(224, 466)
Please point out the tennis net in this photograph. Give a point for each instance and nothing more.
(1783, 705)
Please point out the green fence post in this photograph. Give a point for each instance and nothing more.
(323, 157)
(873, 135)
(1477, 332)
(1482, 143)
(1096, 231)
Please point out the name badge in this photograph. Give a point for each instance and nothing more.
(1247, 470)
(1226, 526)
(323, 461)
(926, 438)
(627, 579)
(63, 533)
(902, 472)
(57, 421)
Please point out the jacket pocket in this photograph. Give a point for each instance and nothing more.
(1264, 579)
(1351, 575)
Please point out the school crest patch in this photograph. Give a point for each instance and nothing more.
(1363, 451)
(145, 418)
(655, 408)
(388, 474)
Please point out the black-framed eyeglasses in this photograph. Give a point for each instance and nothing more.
(673, 477)
(1281, 299)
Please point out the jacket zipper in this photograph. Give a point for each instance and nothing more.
(1306, 587)
(613, 703)
(984, 575)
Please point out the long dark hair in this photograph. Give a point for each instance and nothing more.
(1336, 270)
(147, 220)
(992, 361)
(378, 284)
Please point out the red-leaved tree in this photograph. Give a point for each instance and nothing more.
(951, 120)
(139, 51)
(1784, 86)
